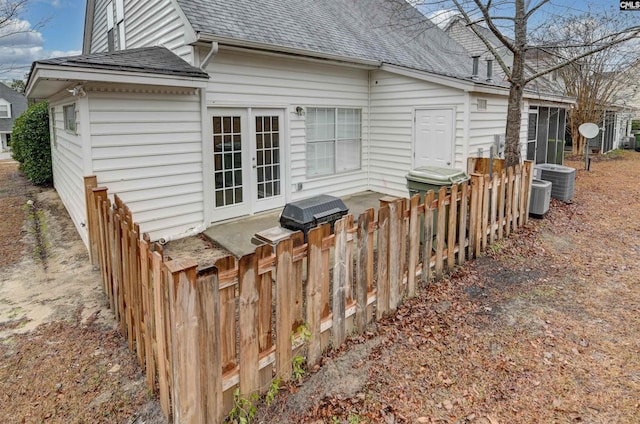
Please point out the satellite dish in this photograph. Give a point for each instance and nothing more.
(589, 130)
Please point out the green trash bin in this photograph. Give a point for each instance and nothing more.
(425, 178)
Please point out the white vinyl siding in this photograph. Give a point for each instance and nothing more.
(485, 124)
(147, 148)
(99, 42)
(252, 80)
(156, 22)
(394, 99)
(148, 23)
(68, 169)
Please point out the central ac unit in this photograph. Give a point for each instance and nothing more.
(540, 198)
(562, 179)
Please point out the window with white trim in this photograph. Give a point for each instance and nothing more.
(69, 112)
(4, 111)
(482, 104)
(110, 25)
(334, 140)
(120, 24)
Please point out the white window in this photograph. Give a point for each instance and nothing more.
(334, 138)
(482, 104)
(4, 111)
(120, 24)
(110, 24)
(69, 112)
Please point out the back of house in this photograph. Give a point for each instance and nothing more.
(197, 112)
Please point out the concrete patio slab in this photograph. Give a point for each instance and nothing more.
(236, 235)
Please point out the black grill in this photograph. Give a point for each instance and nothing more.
(306, 214)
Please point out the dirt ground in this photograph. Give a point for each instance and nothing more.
(543, 328)
(61, 358)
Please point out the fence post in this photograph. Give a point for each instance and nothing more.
(325, 285)
(476, 188)
(451, 231)
(265, 291)
(185, 341)
(248, 322)
(427, 245)
(485, 210)
(228, 325)
(99, 195)
(208, 305)
(501, 201)
(284, 308)
(147, 315)
(494, 208)
(160, 334)
(395, 226)
(529, 166)
(297, 239)
(314, 296)
(90, 183)
(339, 282)
(516, 198)
(462, 231)
(509, 202)
(440, 231)
(382, 289)
(414, 243)
(361, 271)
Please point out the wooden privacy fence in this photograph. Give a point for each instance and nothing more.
(238, 324)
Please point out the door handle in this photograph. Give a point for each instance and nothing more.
(253, 161)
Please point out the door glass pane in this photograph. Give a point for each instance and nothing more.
(227, 146)
(268, 156)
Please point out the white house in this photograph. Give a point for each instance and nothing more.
(196, 112)
(12, 105)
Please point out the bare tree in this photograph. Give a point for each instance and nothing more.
(509, 21)
(600, 80)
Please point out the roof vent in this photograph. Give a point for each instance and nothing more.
(489, 70)
(476, 66)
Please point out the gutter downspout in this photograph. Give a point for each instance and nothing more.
(212, 52)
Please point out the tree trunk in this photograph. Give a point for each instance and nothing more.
(514, 120)
(514, 113)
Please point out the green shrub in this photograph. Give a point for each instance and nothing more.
(30, 144)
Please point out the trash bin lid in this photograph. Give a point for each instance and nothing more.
(437, 175)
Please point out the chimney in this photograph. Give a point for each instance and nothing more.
(489, 70)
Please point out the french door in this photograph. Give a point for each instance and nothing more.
(248, 161)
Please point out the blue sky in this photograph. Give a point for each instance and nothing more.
(60, 34)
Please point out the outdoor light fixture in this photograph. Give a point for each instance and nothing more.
(78, 90)
(299, 110)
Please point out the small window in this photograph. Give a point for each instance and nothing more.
(110, 25)
(482, 104)
(4, 111)
(333, 140)
(70, 117)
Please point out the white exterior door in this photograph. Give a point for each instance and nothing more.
(247, 161)
(433, 137)
(266, 158)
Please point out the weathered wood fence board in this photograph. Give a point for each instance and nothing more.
(203, 335)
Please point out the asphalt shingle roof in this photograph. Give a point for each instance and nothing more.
(387, 31)
(154, 60)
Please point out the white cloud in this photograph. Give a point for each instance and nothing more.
(20, 46)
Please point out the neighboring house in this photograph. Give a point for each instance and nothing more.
(546, 124)
(195, 112)
(12, 104)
